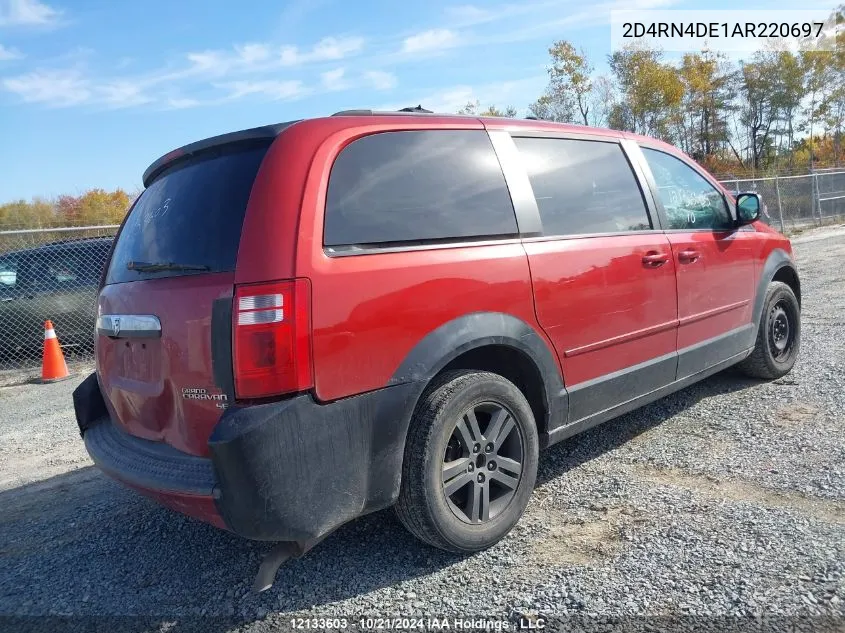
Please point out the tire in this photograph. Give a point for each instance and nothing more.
(778, 335)
(447, 509)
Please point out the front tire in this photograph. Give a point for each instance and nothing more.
(470, 462)
(778, 335)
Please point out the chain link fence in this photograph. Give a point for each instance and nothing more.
(797, 202)
(49, 274)
(53, 273)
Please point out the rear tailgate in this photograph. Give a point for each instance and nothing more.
(174, 258)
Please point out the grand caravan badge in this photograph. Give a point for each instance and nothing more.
(198, 393)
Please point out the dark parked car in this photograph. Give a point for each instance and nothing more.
(56, 281)
(306, 322)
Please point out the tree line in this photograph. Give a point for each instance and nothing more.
(92, 208)
(777, 111)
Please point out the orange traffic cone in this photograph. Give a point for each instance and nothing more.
(53, 365)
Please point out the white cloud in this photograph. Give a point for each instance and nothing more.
(334, 79)
(182, 103)
(327, 49)
(53, 88)
(27, 13)
(8, 54)
(540, 20)
(470, 14)
(380, 80)
(64, 88)
(221, 61)
(122, 94)
(597, 14)
(276, 90)
(252, 53)
(262, 57)
(433, 40)
(333, 48)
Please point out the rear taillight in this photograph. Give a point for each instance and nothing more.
(272, 347)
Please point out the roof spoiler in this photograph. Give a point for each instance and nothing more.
(266, 132)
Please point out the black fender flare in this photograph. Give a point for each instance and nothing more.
(776, 261)
(479, 329)
(264, 455)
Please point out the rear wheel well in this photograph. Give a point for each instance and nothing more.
(513, 365)
(787, 275)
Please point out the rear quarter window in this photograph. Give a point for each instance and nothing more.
(397, 188)
(193, 215)
(583, 187)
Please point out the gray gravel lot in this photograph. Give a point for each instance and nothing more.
(725, 499)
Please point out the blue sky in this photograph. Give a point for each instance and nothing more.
(92, 91)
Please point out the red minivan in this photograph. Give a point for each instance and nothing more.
(306, 322)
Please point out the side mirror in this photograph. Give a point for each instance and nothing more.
(749, 207)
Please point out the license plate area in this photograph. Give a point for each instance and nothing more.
(138, 360)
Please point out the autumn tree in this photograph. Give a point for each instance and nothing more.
(67, 209)
(706, 81)
(102, 207)
(603, 98)
(548, 108)
(789, 92)
(474, 108)
(651, 89)
(815, 67)
(20, 214)
(568, 96)
(93, 208)
(759, 104)
(832, 107)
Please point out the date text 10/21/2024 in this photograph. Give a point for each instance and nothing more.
(432, 623)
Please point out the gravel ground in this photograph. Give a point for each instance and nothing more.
(721, 507)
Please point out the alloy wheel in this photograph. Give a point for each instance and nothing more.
(482, 463)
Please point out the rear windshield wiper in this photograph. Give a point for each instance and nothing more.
(151, 267)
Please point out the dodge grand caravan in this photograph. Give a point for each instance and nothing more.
(306, 322)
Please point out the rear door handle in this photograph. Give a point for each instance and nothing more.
(653, 259)
(129, 325)
(688, 256)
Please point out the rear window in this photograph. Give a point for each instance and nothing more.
(417, 186)
(192, 215)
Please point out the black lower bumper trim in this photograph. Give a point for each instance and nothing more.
(295, 470)
(292, 470)
(152, 465)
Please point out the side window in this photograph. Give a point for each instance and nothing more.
(65, 267)
(417, 186)
(8, 272)
(46, 270)
(690, 201)
(583, 186)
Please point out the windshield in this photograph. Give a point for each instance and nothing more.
(189, 220)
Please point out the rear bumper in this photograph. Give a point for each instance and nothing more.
(182, 482)
(286, 471)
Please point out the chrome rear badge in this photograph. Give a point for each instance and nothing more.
(198, 393)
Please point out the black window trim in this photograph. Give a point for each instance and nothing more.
(654, 218)
(425, 245)
(639, 155)
(357, 250)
